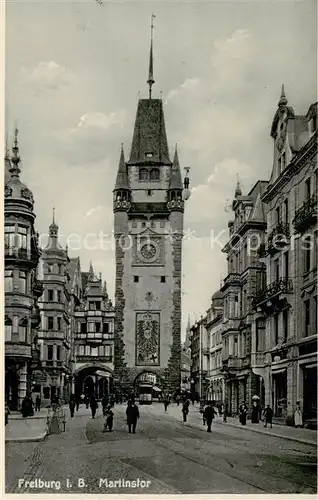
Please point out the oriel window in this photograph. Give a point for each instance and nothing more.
(8, 281)
(23, 324)
(9, 236)
(8, 329)
(22, 237)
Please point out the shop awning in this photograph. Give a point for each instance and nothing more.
(157, 389)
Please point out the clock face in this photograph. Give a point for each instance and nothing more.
(149, 251)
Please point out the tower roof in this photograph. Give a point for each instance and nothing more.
(122, 181)
(175, 179)
(53, 243)
(149, 144)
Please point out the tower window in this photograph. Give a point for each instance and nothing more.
(143, 174)
(163, 279)
(149, 192)
(154, 174)
(149, 155)
(136, 279)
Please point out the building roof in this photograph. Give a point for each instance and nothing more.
(217, 295)
(149, 135)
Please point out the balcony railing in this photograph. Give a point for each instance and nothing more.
(307, 213)
(278, 237)
(282, 285)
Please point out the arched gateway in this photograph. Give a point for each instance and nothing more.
(93, 380)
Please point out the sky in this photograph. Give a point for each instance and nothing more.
(75, 71)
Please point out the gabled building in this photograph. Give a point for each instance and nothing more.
(55, 331)
(289, 298)
(22, 289)
(93, 339)
(242, 332)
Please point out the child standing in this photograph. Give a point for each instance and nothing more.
(109, 414)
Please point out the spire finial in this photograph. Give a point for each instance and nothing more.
(150, 80)
(238, 191)
(283, 99)
(15, 160)
(53, 215)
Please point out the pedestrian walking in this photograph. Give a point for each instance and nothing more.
(268, 416)
(27, 407)
(298, 416)
(209, 414)
(132, 413)
(72, 404)
(255, 413)
(185, 410)
(94, 405)
(37, 403)
(166, 403)
(109, 420)
(178, 399)
(243, 413)
(86, 401)
(105, 403)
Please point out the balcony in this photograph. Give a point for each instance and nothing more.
(21, 254)
(89, 359)
(232, 279)
(278, 238)
(17, 350)
(269, 299)
(306, 215)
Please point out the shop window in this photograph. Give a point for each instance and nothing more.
(8, 281)
(8, 329)
(23, 325)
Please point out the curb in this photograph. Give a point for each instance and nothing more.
(27, 440)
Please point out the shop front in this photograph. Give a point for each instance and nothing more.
(279, 393)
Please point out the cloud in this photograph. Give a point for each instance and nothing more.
(48, 76)
(184, 88)
(95, 138)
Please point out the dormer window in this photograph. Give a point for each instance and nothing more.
(143, 174)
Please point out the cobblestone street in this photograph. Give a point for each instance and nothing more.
(172, 456)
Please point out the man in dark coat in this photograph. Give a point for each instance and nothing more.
(37, 403)
(27, 407)
(72, 404)
(243, 413)
(208, 415)
(268, 416)
(132, 413)
(93, 404)
(166, 402)
(185, 410)
(109, 420)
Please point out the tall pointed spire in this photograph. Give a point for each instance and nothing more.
(122, 177)
(53, 228)
(91, 271)
(283, 99)
(175, 179)
(151, 80)
(15, 160)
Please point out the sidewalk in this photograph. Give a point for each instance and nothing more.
(304, 436)
(30, 429)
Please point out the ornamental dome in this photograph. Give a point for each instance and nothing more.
(14, 188)
(218, 295)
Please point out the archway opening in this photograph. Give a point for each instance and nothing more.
(93, 382)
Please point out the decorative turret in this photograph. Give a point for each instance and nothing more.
(53, 243)
(122, 192)
(283, 99)
(174, 192)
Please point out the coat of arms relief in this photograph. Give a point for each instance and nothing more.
(147, 338)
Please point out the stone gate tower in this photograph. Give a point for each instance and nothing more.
(148, 227)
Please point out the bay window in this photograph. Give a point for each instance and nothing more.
(22, 237)
(9, 236)
(23, 325)
(22, 282)
(8, 329)
(8, 281)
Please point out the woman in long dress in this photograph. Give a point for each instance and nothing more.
(298, 416)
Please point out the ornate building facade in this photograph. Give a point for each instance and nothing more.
(289, 298)
(148, 227)
(21, 286)
(242, 335)
(55, 331)
(93, 358)
(214, 325)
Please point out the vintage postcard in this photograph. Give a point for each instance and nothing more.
(160, 247)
